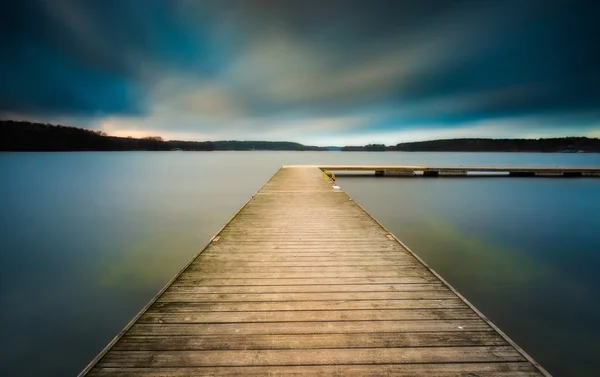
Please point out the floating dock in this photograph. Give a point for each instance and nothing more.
(303, 281)
(435, 171)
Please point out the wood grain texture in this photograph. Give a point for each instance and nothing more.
(306, 305)
(303, 282)
(313, 288)
(490, 369)
(307, 316)
(310, 356)
(323, 327)
(308, 341)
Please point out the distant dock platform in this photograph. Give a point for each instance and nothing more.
(303, 281)
(435, 170)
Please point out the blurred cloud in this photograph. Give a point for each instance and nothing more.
(311, 71)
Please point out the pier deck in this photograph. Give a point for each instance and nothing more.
(302, 281)
(436, 170)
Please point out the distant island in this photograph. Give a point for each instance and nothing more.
(565, 145)
(27, 136)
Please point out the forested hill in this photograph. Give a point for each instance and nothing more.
(26, 136)
(567, 144)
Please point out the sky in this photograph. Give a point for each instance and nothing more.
(317, 72)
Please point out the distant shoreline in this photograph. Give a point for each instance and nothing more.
(553, 145)
(38, 137)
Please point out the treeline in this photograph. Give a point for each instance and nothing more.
(366, 148)
(27, 136)
(565, 144)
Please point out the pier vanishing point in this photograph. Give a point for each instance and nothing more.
(303, 281)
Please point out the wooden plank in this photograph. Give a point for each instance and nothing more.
(490, 369)
(299, 260)
(338, 288)
(316, 243)
(308, 241)
(308, 341)
(311, 356)
(313, 296)
(324, 327)
(232, 264)
(242, 306)
(305, 275)
(159, 317)
(313, 269)
(259, 231)
(303, 253)
(195, 280)
(306, 252)
(348, 250)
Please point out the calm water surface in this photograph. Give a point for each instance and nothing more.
(86, 239)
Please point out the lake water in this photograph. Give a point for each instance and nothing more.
(86, 239)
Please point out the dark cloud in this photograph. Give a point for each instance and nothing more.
(89, 57)
(206, 63)
(550, 54)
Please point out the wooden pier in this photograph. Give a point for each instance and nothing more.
(435, 171)
(302, 281)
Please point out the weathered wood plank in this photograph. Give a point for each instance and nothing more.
(338, 288)
(308, 341)
(490, 369)
(302, 253)
(312, 296)
(301, 258)
(307, 316)
(195, 280)
(243, 306)
(257, 267)
(334, 327)
(292, 269)
(305, 250)
(305, 275)
(268, 265)
(311, 356)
